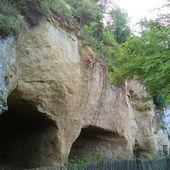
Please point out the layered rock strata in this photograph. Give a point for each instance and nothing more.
(63, 107)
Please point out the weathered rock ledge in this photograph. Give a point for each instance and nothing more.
(62, 106)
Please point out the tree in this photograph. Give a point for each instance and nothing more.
(148, 57)
(118, 25)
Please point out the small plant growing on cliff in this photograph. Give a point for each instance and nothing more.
(142, 107)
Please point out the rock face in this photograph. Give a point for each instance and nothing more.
(63, 107)
(8, 71)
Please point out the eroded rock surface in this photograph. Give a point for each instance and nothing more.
(61, 79)
(8, 71)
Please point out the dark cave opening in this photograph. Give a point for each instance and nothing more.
(95, 141)
(27, 137)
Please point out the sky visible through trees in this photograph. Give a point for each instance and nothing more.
(138, 10)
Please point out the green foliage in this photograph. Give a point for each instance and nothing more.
(87, 13)
(40, 5)
(61, 7)
(9, 21)
(89, 33)
(83, 160)
(44, 6)
(147, 57)
(33, 10)
(142, 107)
(145, 99)
(101, 40)
(85, 10)
(119, 25)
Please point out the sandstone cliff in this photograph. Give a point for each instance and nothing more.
(61, 105)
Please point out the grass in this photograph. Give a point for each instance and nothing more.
(145, 158)
(83, 160)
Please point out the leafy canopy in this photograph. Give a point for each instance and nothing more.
(147, 57)
(118, 25)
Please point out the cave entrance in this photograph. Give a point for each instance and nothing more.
(97, 142)
(27, 138)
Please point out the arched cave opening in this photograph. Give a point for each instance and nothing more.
(96, 141)
(28, 138)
